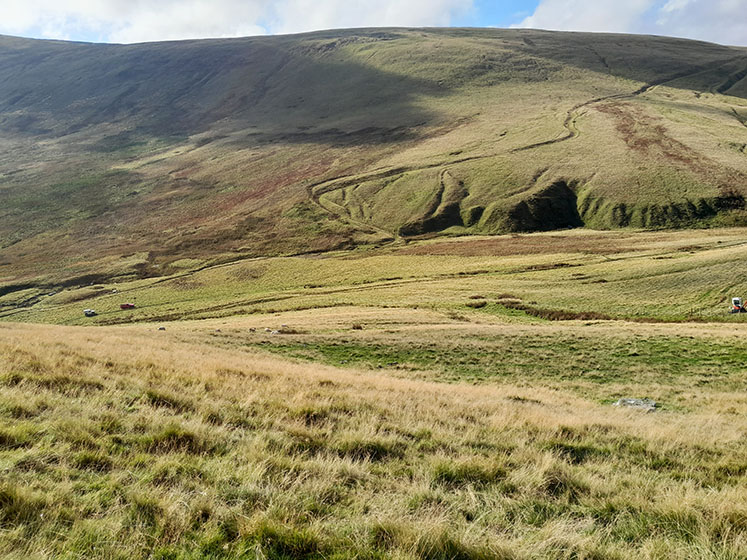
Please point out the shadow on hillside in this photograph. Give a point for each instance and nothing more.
(681, 63)
(308, 89)
(287, 91)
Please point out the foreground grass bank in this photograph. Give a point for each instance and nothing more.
(129, 442)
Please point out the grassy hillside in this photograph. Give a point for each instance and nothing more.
(121, 160)
(308, 371)
(195, 442)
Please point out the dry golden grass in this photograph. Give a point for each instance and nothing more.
(131, 442)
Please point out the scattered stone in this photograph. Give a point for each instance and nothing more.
(275, 332)
(283, 326)
(267, 329)
(217, 330)
(646, 405)
(252, 329)
(161, 328)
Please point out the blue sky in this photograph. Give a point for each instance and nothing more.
(129, 21)
(489, 13)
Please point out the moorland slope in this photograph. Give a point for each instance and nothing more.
(121, 160)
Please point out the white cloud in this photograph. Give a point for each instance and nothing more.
(305, 15)
(720, 21)
(587, 15)
(130, 21)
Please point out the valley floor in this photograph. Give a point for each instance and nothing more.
(583, 274)
(446, 399)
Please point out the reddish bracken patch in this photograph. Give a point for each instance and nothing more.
(523, 245)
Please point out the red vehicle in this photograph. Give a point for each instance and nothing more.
(127, 306)
(737, 306)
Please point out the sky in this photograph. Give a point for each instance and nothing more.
(132, 21)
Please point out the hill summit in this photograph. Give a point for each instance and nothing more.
(127, 159)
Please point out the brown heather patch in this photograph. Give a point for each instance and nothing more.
(642, 132)
(604, 244)
(648, 134)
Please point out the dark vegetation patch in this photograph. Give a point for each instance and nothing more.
(36, 462)
(556, 314)
(554, 207)
(54, 382)
(576, 453)
(11, 288)
(371, 449)
(688, 213)
(550, 266)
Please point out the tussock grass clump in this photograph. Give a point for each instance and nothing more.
(19, 506)
(16, 437)
(175, 438)
(20, 410)
(575, 453)
(280, 541)
(97, 462)
(431, 543)
(371, 449)
(476, 472)
(560, 481)
(36, 462)
(65, 384)
(168, 400)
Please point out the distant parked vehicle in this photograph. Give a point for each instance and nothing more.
(127, 306)
(89, 313)
(737, 306)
